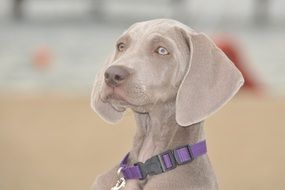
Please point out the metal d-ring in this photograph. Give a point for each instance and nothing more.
(119, 171)
(121, 183)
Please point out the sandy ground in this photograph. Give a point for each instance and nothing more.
(57, 142)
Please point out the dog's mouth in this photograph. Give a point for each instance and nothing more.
(112, 93)
(115, 97)
(121, 99)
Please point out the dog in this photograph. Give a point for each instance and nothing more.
(172, 78)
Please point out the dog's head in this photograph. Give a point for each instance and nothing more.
(163, 60)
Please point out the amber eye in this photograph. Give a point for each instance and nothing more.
(121, 46)
(162, 51)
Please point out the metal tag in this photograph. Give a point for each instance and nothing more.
(121, 183)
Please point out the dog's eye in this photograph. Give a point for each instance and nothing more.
(162, 51)
(121, 46)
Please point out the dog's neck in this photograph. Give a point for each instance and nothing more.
(157, 131)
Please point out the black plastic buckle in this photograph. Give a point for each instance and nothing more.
(179, 162)
(172, 159)
(155, 165)
(151, 167)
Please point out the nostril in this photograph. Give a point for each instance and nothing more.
(118, 77)
(115, 75)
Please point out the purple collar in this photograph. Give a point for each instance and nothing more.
(163, 162)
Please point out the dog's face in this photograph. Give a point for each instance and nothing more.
(163, 60)
(154, 60)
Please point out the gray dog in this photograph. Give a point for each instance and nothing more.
(172, 78)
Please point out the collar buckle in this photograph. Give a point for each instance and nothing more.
(152, 166)
(157, 164)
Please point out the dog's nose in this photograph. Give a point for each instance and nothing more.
(116, 75)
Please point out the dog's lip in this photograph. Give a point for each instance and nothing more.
(114, 94)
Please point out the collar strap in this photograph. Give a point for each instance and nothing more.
(163, 162)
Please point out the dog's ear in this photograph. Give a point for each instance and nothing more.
(210, 81)
(104, 109)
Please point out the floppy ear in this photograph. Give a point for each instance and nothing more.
(104, 109)
(210, 81)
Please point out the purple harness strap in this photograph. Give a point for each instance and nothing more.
(163, 162)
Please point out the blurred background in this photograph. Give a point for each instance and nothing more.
(51, 50)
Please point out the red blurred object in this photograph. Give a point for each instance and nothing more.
(42, 58)
(231, 48)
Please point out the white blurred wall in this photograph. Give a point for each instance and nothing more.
(78, 41)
